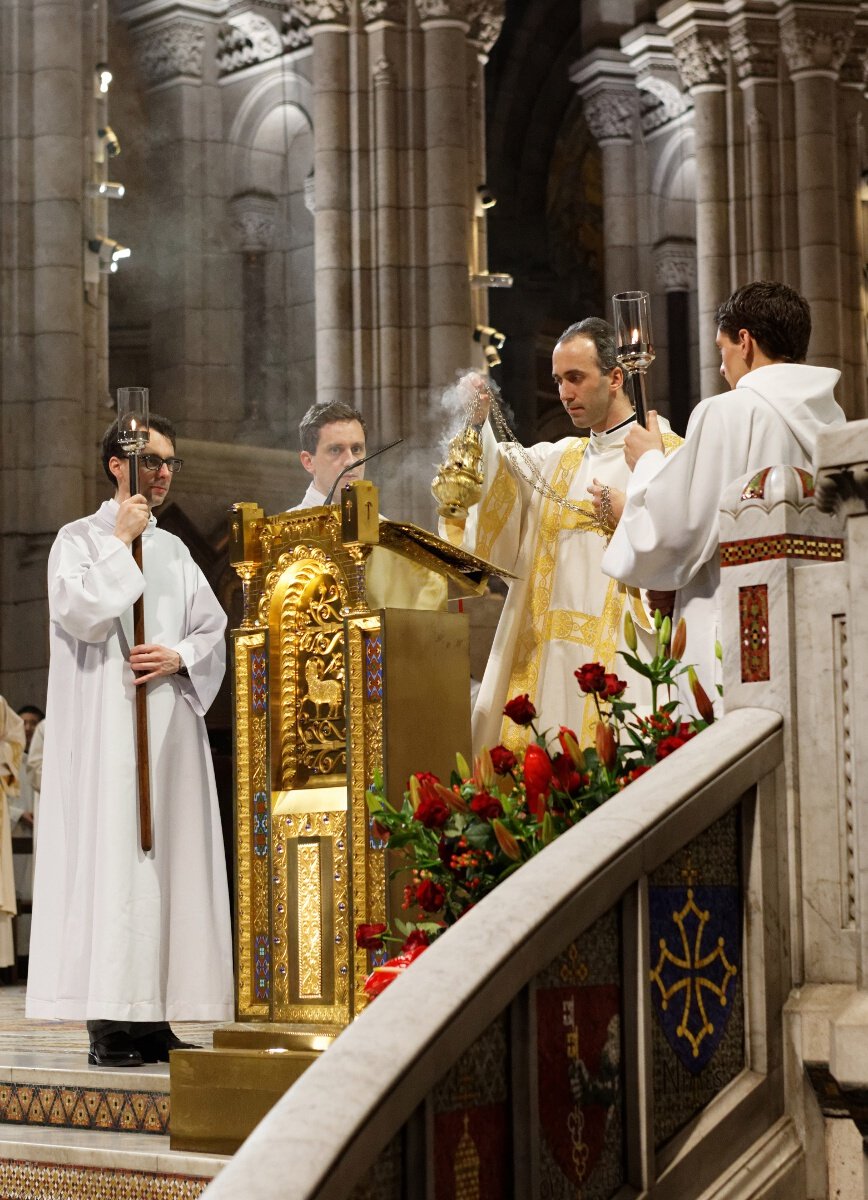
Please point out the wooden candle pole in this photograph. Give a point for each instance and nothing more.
(143, 765)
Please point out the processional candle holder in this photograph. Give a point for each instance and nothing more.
(133, 434)
(632, 311)
(133, 427)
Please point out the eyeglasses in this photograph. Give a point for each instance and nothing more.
(154, 463)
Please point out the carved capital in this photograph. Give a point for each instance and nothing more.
(323, 12)
(815, 41)
(854, 69)
(675, 265)
(659, 103)
(384, 10)
(445, 10)
(253, 217)
(486, 22)
(172, 50)
(611, 113)
(841, 469)
(702, 56)
(755, 46)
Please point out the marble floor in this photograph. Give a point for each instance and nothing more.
(68, 1129)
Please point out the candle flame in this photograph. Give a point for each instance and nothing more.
(634, 335)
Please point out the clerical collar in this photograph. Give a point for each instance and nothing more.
(615, 434)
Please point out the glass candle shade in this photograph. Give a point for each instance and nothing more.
(632, 312)
(133, 418)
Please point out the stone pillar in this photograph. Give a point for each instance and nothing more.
(675, 267)
(605, 81)
(333, 216)
(815, 42)
(445, 25)
(252, 218)
(386, 41)
(755, 46)
(854, 384)
(701, 44)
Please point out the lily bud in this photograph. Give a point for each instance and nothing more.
(456, 803)
(549, 833)
(461, 764)
(506, 841)
(658, 619)
(607, 747)
(415, 792)
(700, 697)
(679, 640)
(718, 651)
(630, 632)
(665, 631)
(483, 769)
(571, 747)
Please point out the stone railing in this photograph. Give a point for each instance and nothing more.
(610, 1017)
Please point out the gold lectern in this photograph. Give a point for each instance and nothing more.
(325, 693)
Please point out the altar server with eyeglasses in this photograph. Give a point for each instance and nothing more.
(123, 939)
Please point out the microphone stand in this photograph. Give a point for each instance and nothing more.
(358, 463)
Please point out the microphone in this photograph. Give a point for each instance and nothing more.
(358, 463)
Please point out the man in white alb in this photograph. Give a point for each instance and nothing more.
(123, 939)
(333, 437)
(667, 535)
(561, 611)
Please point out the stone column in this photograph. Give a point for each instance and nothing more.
(675, 267)
(604, 79)
(701, 45)
(445, 25)
(755, 46)
(386, 41)
(815, 41)
(854, 384)
(332, 219)
(253, 218)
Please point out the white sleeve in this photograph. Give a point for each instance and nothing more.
(90, 583)
(203, 650)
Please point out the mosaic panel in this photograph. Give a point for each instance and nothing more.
(383, 1181)
(782, 545)
(373, 666)
(84, 1108)
(25, 1180)
(472, 1134)
(258, 681)
(697, 1036)
(753, 633)
(579, 1067)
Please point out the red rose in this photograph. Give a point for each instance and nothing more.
(486, 806)
(592, 677)
(432, 811)
(430, 896)
(370, 937)
(685, 732)
(520, 709)
(416, 942)
(634, 774)
(614, 686)
(668, 746)
(537, 778)
(380, 978)
(503, 760)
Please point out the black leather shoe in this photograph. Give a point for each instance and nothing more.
(155, 1047)
(114, 1050)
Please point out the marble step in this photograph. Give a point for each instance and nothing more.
(65, 1164)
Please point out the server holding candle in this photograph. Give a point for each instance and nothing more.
(127, 936)
(667, 535)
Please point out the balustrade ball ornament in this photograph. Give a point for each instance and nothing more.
(172, 50)
(253, 217)
(813, 42)
(702, 58)
(610, 113)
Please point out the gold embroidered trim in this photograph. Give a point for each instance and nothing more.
(495, 509)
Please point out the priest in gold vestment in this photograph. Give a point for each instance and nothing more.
(535, 519)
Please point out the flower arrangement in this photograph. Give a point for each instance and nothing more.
(463, 838)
